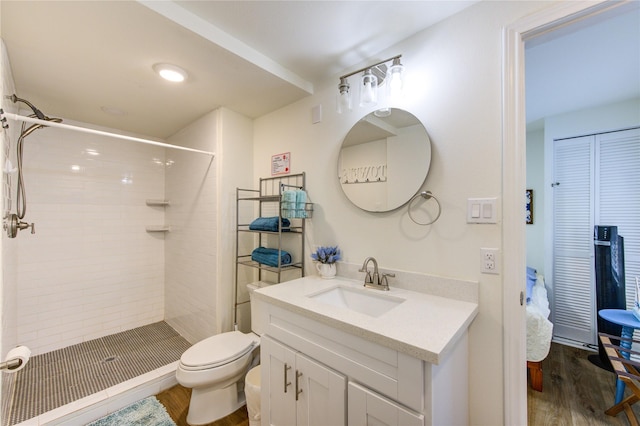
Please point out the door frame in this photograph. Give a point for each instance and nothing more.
(514, 37)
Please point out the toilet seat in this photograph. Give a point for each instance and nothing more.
(217, 350)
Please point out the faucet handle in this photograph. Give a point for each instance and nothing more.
(383, 280)
(367, 277)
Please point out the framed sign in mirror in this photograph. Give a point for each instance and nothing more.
(384, 160)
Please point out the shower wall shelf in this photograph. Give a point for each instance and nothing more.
(158, 228)
(157, 203)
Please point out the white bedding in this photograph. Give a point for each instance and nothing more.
(539, 328)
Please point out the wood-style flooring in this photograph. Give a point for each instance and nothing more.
(176, 401)
(575, 391)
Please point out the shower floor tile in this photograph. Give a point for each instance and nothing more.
(60, 377)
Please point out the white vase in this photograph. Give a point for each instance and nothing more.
(326, 270)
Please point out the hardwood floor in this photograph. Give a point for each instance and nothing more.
(575, 392)
(176, 401)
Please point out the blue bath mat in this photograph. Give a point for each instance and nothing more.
(146, 412)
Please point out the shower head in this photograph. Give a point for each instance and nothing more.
(35, 110)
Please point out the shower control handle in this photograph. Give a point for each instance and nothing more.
(25, 225)
(12, 225)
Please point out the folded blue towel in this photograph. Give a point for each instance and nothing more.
(269, 256)
(289, 196)
(301, 200)
(269, 224)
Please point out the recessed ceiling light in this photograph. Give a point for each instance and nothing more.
(170, 72)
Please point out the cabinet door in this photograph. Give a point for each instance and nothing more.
(322, 394)
(278, 383)
(370, 409)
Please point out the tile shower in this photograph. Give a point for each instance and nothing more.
(91, 269)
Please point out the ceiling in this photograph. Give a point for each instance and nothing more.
(76, 59)
(91, 61)
(591, 63)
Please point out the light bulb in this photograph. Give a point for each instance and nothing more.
(170, 72)
(369, 89)
(344, 96)
(395, 79)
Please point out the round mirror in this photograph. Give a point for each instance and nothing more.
(384, 160)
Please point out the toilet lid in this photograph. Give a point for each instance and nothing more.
(219, 349)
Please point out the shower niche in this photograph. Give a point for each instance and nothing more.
(157, 203)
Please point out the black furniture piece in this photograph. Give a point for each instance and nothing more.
(610, 285)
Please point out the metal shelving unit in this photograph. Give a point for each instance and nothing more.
(269, 204)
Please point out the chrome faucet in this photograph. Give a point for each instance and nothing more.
(375, 281)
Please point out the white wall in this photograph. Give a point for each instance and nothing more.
(8, 280)
(191, 248)
(617, 116)
(234, 159)
(589, 121)
(90, 269)
(200, 249)
(453, 86)
(535, 181)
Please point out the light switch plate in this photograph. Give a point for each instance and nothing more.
(482, 210)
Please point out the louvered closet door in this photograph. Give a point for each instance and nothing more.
(597, 182)
(573, 313)
(618, 195)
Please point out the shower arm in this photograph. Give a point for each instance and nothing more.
(13, 98)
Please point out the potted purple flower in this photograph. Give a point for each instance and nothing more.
(326, 257)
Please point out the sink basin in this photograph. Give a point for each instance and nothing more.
(359, 300)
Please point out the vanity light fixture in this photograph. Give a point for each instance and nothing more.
(373, 77)
(170, 72)
(344, 95)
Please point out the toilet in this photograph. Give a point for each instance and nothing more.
(214, 368)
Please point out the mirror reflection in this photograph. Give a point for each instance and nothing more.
(384, 160)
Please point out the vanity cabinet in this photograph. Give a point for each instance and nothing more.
(384, 386)
(299, 390)
(368, 408)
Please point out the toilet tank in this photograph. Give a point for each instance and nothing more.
(256, 326)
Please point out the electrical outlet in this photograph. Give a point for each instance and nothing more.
(489, 261)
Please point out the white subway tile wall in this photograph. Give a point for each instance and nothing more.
(9, 255)
(90, 269)
(191, 266)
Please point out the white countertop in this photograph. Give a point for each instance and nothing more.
(423, 326)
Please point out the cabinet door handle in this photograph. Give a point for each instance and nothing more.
(286, 384)
(298, 390)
